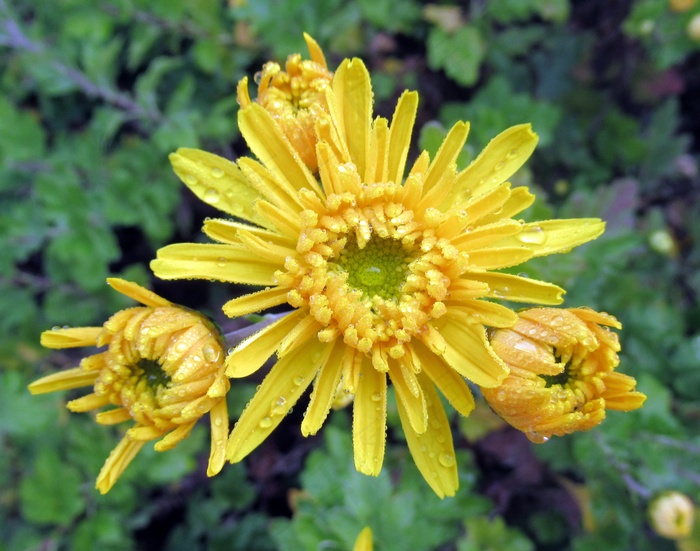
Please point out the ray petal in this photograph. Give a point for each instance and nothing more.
(229, 263)
(76, 377)
(219, 437)
(433, 451)
(520, 289)
(118, 460)
(451, 384)
(255, 302)
(400, 135)
(555, 236)
(325, 387)
(267, 141)
(216, 181)
(254, 351)
(353, 95)
(277, 394)
(70, 337)
(469, 353)
(369, 420)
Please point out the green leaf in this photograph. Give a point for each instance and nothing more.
(50, 492)
(459, 54)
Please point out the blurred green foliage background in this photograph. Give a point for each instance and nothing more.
(95, 94)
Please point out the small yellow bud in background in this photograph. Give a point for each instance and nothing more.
(694, 28)
(680, 6)
(662, 242)
(671, 515)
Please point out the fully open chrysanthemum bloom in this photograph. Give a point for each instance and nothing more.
(562, 375)
(163, 368)
(386, 272)
(295, 97)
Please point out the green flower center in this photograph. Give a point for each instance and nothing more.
(152, 372)
(380, 268)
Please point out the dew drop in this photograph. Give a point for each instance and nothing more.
(446, 460)
(532, 236)
(221, 262)
(216, 172)
(218, 422)
(298, 380)
(557, 321)
(211, 196)
(190, 180)
(265, 423)
(376, 397)
(499, 166)
(210, 353)
(537, 438)
(512, 154)
(525, 346)
(257, 77)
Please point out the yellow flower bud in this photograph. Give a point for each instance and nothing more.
(562, 375)
(364, 540)
(680, 6)
(295, 97)
(163, 367)
(694, 28)
(671, 515)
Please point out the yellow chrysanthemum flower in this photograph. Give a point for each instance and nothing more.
(386, 271)
(562, 375)
(163, 368)
(295, 97)
(672, 515)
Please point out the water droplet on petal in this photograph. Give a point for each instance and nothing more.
(376, 397)
(446, 460)
(221, 261)
(512, 154)
(257, 77)
(210, 353)
(216, 172)
(265, 423)
(211, 196)
(525, 346)
(532, 236)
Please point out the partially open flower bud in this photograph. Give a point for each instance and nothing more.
(295, 97)
(163, 368)
(562, 376)
(671, 515)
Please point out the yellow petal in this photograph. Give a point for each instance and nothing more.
(400, 135)
(76, 377)
(469, 353)
(481, 206)
(485, 312)
(494, 258)
(113, 416)
(230, 263)
(520, 289)
(276, 254)
(520, 199)
(277, 394)
(369, 420)
(315, 51)
(591, 316)
(414, 404)
(279, 192)
(216, 181)
(555, 236)
(87, 403)
(306, 329)
(71, 337)
(289, 226)
(364, 540)
(118, 460)
(325, 387)
(255, 302)
(218, 417)
(267, 141)
(138, 293)
(498, 161)
(174, 437)
(433, 451)
(254, 351)
(378, 152)
(353, 102)
(451, 384)
(444, 164)
(483, 236)
(226, 231)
